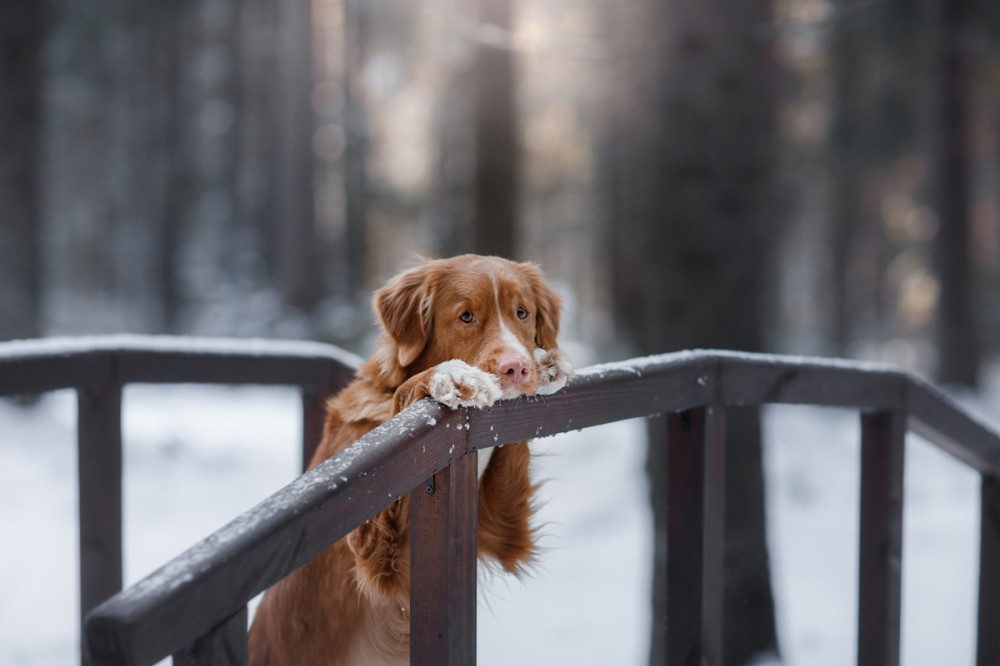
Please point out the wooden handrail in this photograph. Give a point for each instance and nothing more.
(99, 367)
(35, 366)
(204, 591)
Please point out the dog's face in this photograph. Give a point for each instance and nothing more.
(489, 312)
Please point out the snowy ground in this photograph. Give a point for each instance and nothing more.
(197, 456)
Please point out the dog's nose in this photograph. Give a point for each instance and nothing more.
(514, 369)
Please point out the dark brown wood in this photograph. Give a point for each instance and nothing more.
(214, 579)
(225, 645)
(988, 635)
(443, 567)
(939, 419)
(695, 539)
(201, 587)
(313, 420)
(761, 379)
(52, 370)
(44, 365)
(601, 395)
(100, 471)
(881, 538)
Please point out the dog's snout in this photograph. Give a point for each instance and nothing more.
(514, 369)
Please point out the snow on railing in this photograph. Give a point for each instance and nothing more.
(195, 606)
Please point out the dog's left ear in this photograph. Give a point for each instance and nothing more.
(403, 306)
(549, 305)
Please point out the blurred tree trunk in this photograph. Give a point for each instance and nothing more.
(356, 150)
(297, 259)
(169, 45)
(23, 28)
(496, 182)
(255, 54)
(700, 247)
(846, 171)
(957, 342)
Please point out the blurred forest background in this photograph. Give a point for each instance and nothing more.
(257, 167)
(805, 176)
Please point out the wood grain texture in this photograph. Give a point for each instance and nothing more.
(881, 538)
(443, 521)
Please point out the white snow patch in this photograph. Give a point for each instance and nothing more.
(637, 366)
(483, 460)
(171, 344)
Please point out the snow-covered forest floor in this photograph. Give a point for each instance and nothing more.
(197, 456)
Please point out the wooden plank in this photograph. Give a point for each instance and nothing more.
(988, 635)
(99, 454)
(695, 537)
(40, 365)
(881, 538)
(597, 395)
(204, 585)
(943, 422)
(313, 421)
(39, 373)
(443, 515)
(762, 379)
(225, 645)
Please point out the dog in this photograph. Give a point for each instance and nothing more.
(466, 331)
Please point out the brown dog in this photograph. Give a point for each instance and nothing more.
(466, 331)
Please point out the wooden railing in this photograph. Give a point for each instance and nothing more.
(194, 607)
(99, 367)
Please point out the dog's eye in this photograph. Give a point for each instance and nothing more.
(521, 312)
(467, 317)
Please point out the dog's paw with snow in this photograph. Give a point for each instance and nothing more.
(553, 370)
(457, 384)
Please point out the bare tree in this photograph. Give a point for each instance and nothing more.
(23, 28)
(698, 242)
(496, 180)
(957, 341)
(297, 258)
(356, 28)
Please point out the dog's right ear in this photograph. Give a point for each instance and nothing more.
(403, 306)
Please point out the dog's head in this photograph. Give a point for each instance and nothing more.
(489, 312)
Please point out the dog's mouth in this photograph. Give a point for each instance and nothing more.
(515, 390)
(510, 389)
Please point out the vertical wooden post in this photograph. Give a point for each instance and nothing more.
(988, 640)
(881, 539)
(695, 537)
(443, 517)
(99, 455)
(225, 645)
(313, 422)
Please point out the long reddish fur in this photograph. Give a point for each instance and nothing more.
(350, 605)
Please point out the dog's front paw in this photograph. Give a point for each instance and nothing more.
(457, 384)
(553, 370)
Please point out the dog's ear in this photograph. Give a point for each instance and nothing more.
(403, 306)
(549, 305)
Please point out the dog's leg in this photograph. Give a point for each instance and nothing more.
(505, 508)
(381, 546)
(381, 550)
